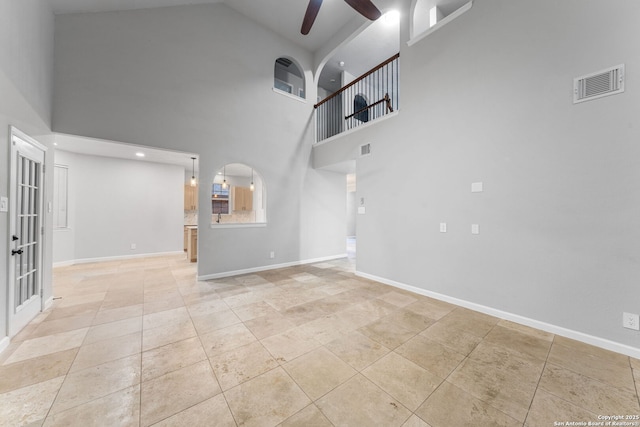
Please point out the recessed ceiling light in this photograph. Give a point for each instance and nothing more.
(140, 154)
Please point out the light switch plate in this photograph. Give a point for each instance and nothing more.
(476, 187)
(361, 210)
(443, 227)
(475, 228)
(4, 204)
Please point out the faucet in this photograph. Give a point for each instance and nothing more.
(218, 220)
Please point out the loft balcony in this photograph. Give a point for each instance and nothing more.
(363, 100)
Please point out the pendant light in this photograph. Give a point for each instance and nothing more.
(193, 172)
(224, 182)
(252, 187)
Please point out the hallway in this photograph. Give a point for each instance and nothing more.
(142, 342)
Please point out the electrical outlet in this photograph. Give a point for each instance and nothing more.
(272, 254)
(443, 227)
(133, 246)
(631, 321)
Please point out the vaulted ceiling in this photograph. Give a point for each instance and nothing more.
(281, 16)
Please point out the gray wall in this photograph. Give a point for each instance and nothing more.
(200, 79)
(488, 98)
(116, 202)
(26, 49)
(352, 209)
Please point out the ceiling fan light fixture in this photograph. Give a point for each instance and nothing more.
(391, 17)
(364, 7)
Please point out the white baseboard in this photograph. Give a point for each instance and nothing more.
(63, 263)
(48, 303)
(554, 329)
(4, 343)
(269, 267)
(113, 258)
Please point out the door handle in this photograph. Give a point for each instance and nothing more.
(19, 252)
(14, 238)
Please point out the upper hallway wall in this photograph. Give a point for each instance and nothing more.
(118, 72)
(26, 51)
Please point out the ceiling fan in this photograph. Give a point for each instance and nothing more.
(365, 7)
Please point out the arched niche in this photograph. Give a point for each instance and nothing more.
(429, 15)
(288, 77)
(238, 196)
(421, 16)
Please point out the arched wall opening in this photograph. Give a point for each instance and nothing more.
(288, 77)
(238, 196)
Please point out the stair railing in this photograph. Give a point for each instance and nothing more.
(370, 96)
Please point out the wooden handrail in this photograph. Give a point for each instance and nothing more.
(385, 99)
(371, 71)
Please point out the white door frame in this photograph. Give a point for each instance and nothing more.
(21, 142)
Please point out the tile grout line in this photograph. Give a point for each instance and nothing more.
(468, 357)
(177, 369)
(450, 373)
(70, 366)
(544, 367)
(590, 378)
(66, 376)
(635, 383)
(633, 378)
(313, 402)
(547, 363)
(222, 392)
(141, 351)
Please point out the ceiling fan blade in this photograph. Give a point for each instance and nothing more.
(365, 8)
(312, 11)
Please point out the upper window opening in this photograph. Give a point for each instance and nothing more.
(288, 77)
(429, 15)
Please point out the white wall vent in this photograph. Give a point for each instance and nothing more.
(365, 150)
(597, 85)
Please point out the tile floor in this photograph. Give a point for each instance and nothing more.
(141, 342)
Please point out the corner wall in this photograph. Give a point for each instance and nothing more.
(488, 98)
(200, 79)
(26, 49)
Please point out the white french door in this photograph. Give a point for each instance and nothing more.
(25, 230)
